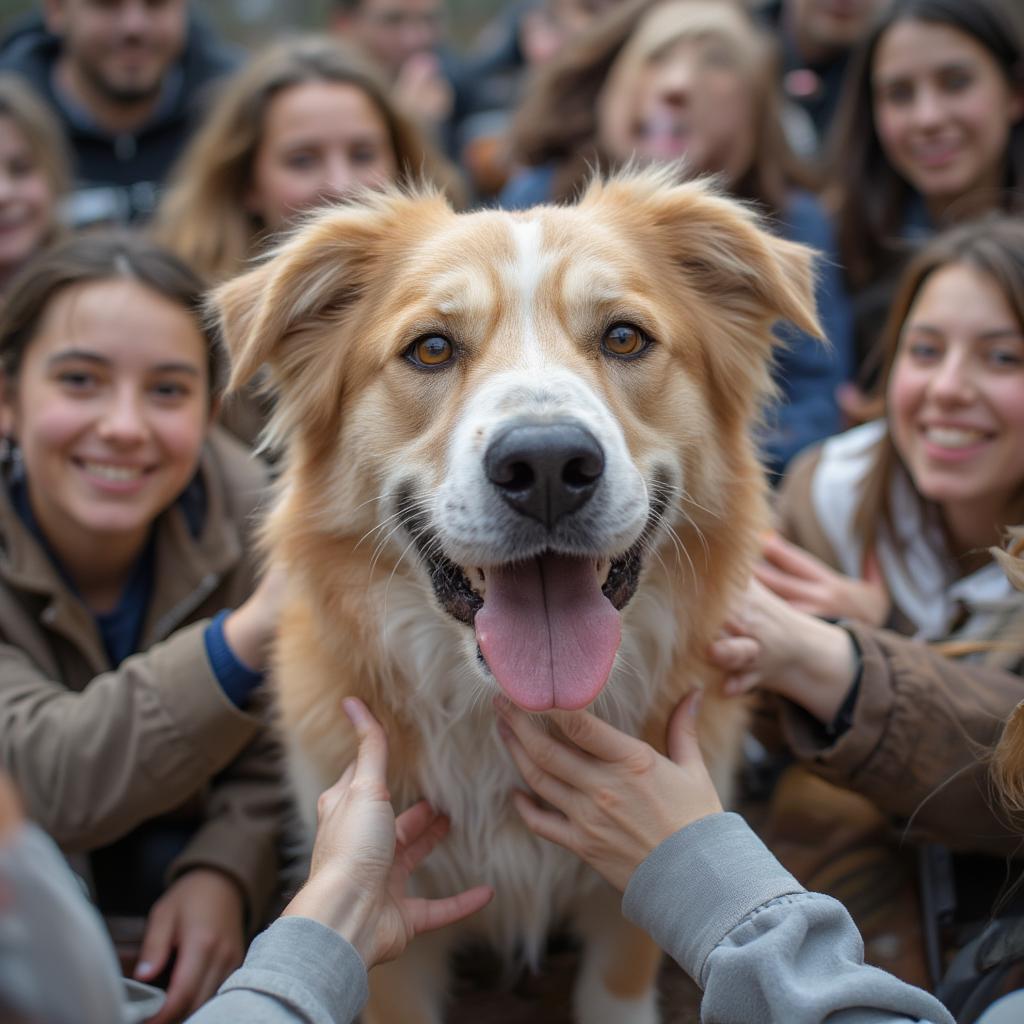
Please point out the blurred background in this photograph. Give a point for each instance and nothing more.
(251, 22)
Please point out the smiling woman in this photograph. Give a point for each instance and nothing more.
(933, 116)
(131, 721)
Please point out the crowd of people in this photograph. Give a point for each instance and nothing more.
(143, 160)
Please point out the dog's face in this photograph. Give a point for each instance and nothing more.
(522, 409)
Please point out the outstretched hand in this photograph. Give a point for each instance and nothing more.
(811, 586)
(363, 857)
(613, 797)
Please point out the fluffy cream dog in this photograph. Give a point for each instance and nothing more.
(519, 459)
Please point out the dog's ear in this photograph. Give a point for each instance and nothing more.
(323, 265)
(720, 245)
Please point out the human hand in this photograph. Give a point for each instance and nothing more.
(615, 798)
(363, 857)
(250, 629)
(766, 642)
(810, 585)
(422, 89)
(200, 920)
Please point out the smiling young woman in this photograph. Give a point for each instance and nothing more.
(132, 721)
(933, 116)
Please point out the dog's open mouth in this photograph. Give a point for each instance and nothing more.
(548, 627)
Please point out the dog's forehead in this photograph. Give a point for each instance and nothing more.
(542, 251)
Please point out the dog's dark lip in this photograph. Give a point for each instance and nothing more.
(455, 592)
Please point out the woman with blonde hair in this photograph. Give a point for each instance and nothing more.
(304, 122)
(693, 83)
(34, 175)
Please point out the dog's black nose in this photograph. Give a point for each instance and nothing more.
(545, 470)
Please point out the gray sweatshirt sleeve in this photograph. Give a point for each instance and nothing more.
(296, 972)
(763, 948)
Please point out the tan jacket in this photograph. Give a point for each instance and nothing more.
(97, 750)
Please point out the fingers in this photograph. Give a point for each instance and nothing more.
(550, 825)
(419, 830)
(682, 729)
(428, 915)
(537, 762)
(734, 653)
(189, 971)
(785, 584)
(594, 736)
(372, 758)
(792, 559)
(157, 943)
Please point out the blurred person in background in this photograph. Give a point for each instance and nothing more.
(930, 133)
(305, 122)
(406, 40)
(34, 175)
(523, 37)
(816, 38)
(126, 79)
(691, 82)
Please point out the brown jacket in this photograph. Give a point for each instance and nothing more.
(917, 748)
(923, 722)
(96, 750)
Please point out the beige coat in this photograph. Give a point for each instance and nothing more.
(96, 750)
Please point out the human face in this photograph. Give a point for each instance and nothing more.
(692, 99)
(828, 26)
(27, 202)
(110, 409)
(956, 398)
(121, 48)
(943, 111)
(321, 140)
(395, 30)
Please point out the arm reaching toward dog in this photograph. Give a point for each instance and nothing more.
(697, 880)
(352, 913)
(363, 857)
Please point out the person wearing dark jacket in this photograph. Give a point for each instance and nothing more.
(127, 81)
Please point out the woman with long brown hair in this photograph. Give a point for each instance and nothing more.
(691, 83)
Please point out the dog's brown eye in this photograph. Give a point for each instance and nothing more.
(624, 340)
(433, 350)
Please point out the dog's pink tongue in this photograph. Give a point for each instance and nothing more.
(548, 633)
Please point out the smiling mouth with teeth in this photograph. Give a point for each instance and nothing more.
(108, 471)
(547, 627)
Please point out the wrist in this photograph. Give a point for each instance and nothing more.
(248, 639)
(822, 671)
(334, 903)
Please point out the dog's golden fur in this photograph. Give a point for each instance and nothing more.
(331, 313)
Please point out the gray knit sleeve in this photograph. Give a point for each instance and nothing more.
(296, 972)
(764, 950)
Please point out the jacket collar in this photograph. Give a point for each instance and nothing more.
(187, 569)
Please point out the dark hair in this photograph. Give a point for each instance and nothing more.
(558, 121)
(100, 257)
(873, 198)
(993, 246)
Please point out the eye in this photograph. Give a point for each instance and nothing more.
(430, 351)
(624, 341)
